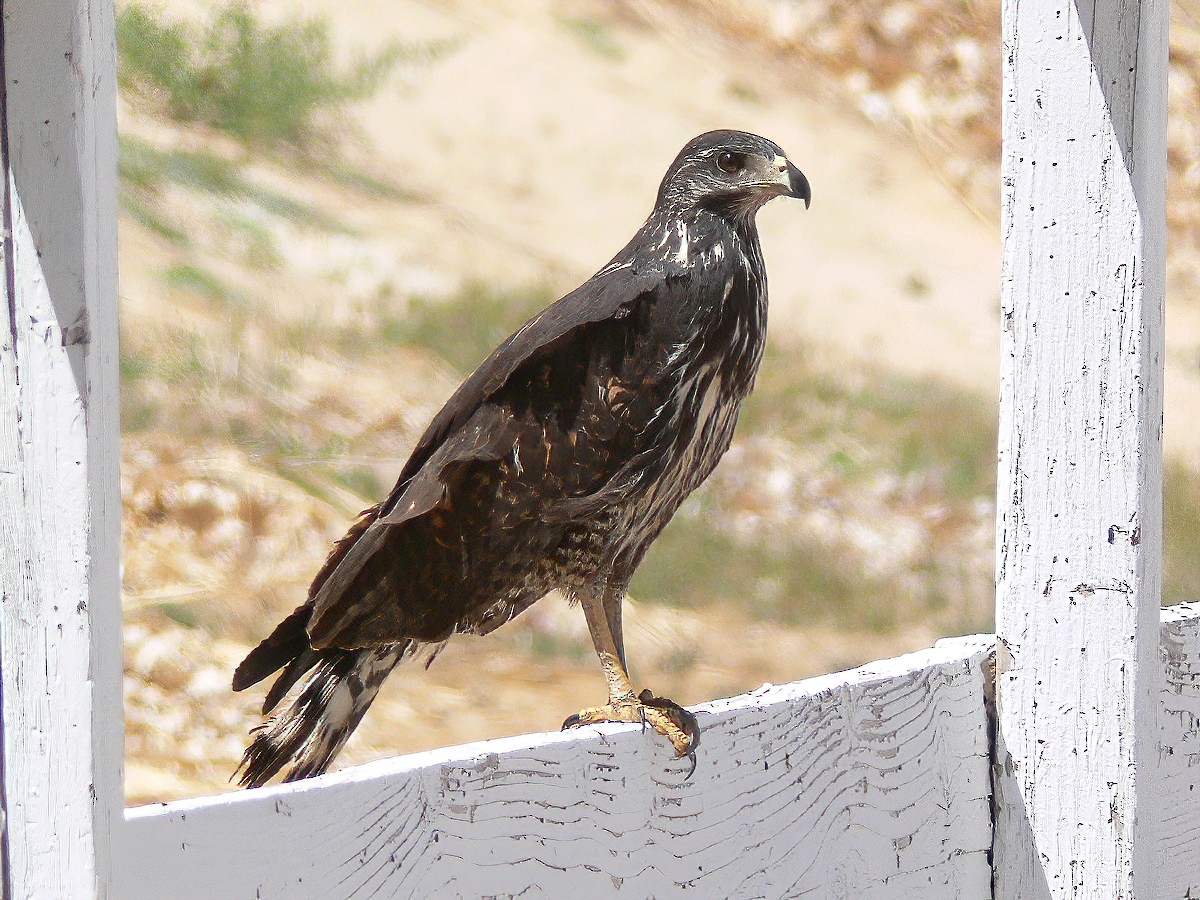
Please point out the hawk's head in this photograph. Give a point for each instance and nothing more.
(733, 172)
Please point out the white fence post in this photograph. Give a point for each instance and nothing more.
(1079, 531)
(60, 650)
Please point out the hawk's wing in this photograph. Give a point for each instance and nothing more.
(599, 298)
(478, 428)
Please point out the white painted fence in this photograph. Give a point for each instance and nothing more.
(60, 506)
(1079, 543)
(871, 783)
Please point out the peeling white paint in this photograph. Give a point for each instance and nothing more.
(60, 615)
(1079, 531)
(870, 783)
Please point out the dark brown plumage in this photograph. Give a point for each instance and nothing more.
(554, 465)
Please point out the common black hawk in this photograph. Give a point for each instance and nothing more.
(554, 465)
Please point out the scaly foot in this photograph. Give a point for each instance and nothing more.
(666, 717)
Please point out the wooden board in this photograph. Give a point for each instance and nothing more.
(1177, 791)
(60, 615)
(870, 783)
(1079, 545)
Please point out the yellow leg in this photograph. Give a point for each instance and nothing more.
(603, 613)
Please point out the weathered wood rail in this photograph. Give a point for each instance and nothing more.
(1177, 755)
(869, 783)
(899, 779)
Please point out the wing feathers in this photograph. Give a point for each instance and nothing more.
(379, 584)
(595, 300)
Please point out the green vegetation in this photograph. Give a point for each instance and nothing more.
(464, 328)
(147, 172)
(743, 91)
(547, 645)
(595, 36)
(362, 482)
(148, 216)
(697, 561)
(910, 425)
(236, 383)
(185, 276)
(255, 239)
(274, 89)
(264, 84)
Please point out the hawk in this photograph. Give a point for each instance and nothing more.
(554, 465)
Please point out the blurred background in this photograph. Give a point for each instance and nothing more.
(332, 210)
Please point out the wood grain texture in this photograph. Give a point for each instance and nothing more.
(1178, 789)
(870, 783)
(1079, 533)
(60, 644)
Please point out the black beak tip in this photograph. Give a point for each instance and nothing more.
(800, 187)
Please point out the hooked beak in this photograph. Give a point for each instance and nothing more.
(793, 181)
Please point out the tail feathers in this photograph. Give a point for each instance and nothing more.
(288, 648)
(293, 672)
(308, 733)
(285, 644)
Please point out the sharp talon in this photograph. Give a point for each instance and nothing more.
(684, 720)
(664, 716)
(692, 770)
(690, 726)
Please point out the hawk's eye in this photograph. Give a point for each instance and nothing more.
(730, 163)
